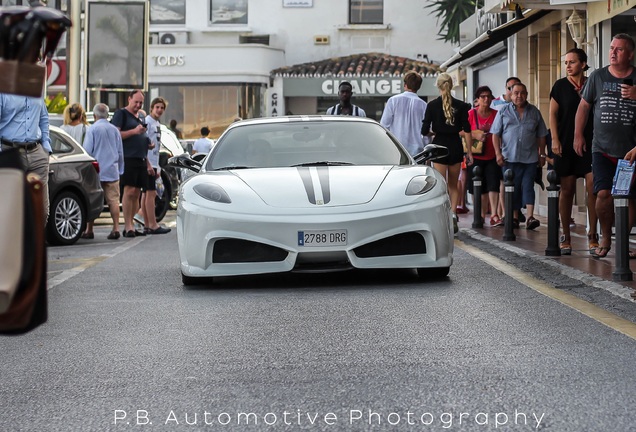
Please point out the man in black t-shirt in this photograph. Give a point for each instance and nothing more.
(136, 145)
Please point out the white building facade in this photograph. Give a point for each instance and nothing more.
(213, 59)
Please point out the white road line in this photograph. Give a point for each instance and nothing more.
(69, 273)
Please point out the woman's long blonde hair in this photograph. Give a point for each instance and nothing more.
(445, 83)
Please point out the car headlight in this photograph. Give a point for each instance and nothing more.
(212, 192)
(420, 185)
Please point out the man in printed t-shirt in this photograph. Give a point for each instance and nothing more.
(610, 91)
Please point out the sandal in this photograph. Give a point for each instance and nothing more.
(566, 247)
(601, 251)
(592, 242)
(496, 221)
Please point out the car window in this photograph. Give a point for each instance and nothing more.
(58, 145)
(282, 144)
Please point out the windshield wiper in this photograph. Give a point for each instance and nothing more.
(322, 163)
(231, 167)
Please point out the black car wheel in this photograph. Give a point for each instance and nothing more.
(162, 205)
(67, 219)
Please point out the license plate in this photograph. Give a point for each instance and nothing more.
(322, 238)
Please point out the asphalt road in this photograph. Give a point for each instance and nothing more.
(127, 347)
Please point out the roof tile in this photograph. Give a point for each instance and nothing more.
(370, 64)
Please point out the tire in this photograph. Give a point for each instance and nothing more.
(67, 219)
(189, 280)
(433, 273)
(163, 204)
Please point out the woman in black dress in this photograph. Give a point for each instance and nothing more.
(447, 119)
(564, 101)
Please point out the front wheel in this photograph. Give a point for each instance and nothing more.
(433, 273)
(163, 204)
(67, 219)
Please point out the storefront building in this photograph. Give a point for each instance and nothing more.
(537, 36)
(311, 88)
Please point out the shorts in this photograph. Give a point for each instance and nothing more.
(111, 192)
(491, 175)
(604, 168)
(455, 149)
(152, 185)
(571, 164)
(135, 173)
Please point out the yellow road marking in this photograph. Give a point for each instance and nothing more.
(609, 319)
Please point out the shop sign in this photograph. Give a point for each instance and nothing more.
(366, 87)
(603, 10)
(168, 60)
(376, 86)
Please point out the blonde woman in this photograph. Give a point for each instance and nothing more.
(446, 118)
(75, 123)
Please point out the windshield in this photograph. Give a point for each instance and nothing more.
(303, 143)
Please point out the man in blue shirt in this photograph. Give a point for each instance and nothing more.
(103, 142)
(24, 125)
(519, 139)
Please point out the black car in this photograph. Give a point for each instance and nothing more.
(75, 193)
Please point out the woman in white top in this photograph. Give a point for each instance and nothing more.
(75, 123)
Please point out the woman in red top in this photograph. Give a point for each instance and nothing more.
(481, 118)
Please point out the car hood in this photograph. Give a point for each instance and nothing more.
(306, 187)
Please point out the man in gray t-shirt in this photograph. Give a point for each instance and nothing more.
(610, 91)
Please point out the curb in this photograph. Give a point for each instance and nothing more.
(586, 278)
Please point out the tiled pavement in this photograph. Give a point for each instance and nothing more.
(579, 265)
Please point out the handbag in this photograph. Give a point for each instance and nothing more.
(23, 293)
(477, 146)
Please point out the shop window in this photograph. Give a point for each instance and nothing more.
(167, 11)
(366, 11)
(228, 12)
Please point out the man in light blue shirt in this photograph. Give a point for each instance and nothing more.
(103, 142)
(404, 113)
(519, 139)
(24, 125)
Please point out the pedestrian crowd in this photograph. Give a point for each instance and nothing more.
(126, 148)
(592, 125)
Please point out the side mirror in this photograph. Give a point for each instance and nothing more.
(431, 152)
(184, 161)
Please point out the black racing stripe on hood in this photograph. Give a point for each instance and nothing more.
(305, 175)
(323, 176)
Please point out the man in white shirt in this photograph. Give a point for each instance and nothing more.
(157, 108)
(203, 144)
(404, 113)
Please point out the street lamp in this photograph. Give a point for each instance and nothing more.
(577, 27)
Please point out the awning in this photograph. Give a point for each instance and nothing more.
(496, 35)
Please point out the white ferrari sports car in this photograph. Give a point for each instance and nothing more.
(312, 194)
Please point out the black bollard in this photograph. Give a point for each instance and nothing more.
(622, 272)
(509, 191)
(553, 249)
(478, 222)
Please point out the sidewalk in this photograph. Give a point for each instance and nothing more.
(580, 265)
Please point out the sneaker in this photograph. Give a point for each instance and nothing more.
(160, 230)
(532, 223)
(496, 221)
(139, 219)
(455, 226)
(566, 247)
